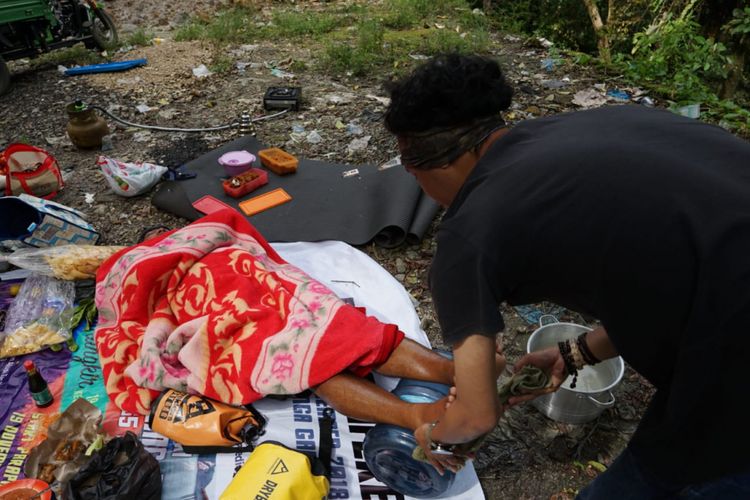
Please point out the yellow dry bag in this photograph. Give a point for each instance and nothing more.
(275, 472)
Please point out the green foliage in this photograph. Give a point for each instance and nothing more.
(77, 54)
(729, 115)
(402, 14)
(221, 63)
(298, 66)
(370, 37)
(740, 23)
(377, 48)
(567, 23)
(296, 24)
(364, 55)
(441, 41)
(84, 311)
(235, 25)
(232, 26)
(140, 38)
(675, 57)
(238, 25)
(564, 21)
(193, 30)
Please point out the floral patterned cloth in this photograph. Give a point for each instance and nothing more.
(213, 309)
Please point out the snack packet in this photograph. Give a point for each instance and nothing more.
(40, 316)
(66, 262)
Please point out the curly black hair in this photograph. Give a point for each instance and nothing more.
(448, 90)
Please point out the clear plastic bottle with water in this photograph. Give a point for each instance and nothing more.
(388, 448)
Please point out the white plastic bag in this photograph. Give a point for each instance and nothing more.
(129, 179)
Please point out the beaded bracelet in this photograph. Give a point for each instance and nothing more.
(570, 365)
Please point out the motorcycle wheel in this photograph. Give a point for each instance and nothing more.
(4, 77)
(103, 30)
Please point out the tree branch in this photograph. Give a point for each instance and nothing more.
(602, 41)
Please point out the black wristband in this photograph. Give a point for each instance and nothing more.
(583, 346)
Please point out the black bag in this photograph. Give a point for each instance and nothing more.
(122, 470)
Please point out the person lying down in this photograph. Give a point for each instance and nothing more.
(212, 309)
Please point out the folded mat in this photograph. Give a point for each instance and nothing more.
(384, 206)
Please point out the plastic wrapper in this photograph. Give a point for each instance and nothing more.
(122, 470)
(40, 316)
(60, 456)
(66, 262)
(130, 179)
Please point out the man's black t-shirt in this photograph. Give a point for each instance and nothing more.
(640, 218)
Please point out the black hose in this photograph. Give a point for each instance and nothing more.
(177, 129)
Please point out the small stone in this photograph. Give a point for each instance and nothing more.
(534, 110)
(400, 266)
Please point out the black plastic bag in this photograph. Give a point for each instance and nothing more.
(123, 469)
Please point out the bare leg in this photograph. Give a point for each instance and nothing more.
(413, 360)
(361, 399)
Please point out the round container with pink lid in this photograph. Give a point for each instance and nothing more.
(236, 162)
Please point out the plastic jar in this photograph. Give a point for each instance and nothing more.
(388, 448)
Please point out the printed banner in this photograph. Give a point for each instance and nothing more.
(293, 422)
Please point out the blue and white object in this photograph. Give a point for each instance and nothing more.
(106, 67)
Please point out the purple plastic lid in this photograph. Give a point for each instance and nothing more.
(237, 159)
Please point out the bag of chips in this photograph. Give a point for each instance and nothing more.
(40, 316)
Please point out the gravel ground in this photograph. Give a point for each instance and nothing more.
(528, 456)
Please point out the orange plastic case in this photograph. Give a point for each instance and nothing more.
(264, 201)
(278, 161)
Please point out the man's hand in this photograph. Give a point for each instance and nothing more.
(453, 463)
(551, 362)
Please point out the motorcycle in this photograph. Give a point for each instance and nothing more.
(29, 28)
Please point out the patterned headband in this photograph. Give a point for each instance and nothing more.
(436, 147)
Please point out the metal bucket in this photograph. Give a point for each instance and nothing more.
(593, 391)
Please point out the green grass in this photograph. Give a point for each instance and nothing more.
(140, 38)
(232, 26)
(402, 14)
(238, 25)
(298, 66)
(78, 54)
(294, 24)
(221, 63)
(362, 56)
(441, 41)
(359, 38)
(235, 25)
(190, 31)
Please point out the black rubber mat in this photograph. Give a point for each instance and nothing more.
(387, 207)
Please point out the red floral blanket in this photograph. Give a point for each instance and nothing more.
(213, 309)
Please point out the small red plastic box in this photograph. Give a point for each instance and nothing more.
(246, 182)
(278, 161)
